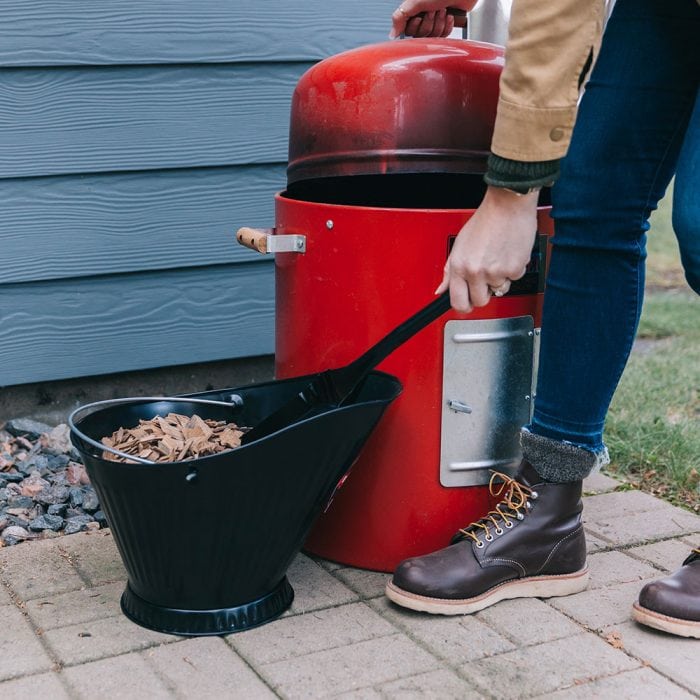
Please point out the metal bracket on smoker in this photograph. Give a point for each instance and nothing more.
(264, 240)
(292, 243)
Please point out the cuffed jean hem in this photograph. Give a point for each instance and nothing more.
(561, 461)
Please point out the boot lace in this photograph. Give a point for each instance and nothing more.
(513, 506)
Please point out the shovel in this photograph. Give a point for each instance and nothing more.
(333, 387)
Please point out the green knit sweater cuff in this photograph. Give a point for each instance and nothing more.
(519, 175)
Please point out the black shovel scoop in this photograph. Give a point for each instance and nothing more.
(331, 388)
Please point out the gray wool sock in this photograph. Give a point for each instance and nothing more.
(558, 460)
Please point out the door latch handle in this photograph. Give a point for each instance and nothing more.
(459, 406)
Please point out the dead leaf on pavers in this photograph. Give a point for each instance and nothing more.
(614, 639)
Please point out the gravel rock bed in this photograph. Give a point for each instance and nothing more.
(44, 488)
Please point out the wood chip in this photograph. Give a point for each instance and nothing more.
(231, 437)
(174, 438)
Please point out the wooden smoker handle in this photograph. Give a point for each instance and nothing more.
(253, 238)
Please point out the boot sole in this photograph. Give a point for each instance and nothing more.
(532, 587)
(665, 623)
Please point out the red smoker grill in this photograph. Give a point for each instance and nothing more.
(388, 145)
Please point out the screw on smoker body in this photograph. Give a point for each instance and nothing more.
(329, 224)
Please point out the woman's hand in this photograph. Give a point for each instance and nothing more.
(426, 17)
(492, 249)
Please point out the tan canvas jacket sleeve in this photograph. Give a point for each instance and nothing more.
(549, 43)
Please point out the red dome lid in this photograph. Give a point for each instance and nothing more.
(417, 105)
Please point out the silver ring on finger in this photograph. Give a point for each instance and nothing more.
(501, 290)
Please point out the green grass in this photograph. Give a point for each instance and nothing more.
(664, 270)
(653, 428)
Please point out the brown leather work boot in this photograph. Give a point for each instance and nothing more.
(531, 545)
(672, 604)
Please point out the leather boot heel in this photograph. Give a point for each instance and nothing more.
(531, 545)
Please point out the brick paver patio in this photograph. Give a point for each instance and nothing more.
(62, 634)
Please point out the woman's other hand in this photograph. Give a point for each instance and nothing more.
(422, 18)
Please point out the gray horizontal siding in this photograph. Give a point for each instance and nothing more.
(78, 120)
(108, 32)
(135, 137)
(75, 226)
(56, 330)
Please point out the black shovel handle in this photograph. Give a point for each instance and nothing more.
(351, 375)
(332, 387)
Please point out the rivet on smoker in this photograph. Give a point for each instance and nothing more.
(329, 224)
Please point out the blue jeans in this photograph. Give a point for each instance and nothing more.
(638, 124)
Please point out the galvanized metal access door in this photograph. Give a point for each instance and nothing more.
(488, 385)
